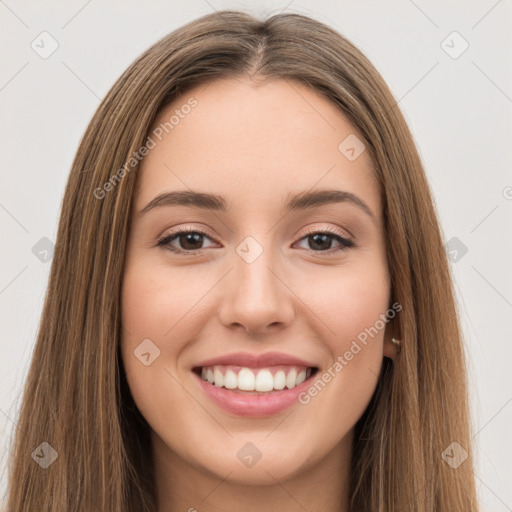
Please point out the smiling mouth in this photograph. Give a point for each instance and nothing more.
(255, 381)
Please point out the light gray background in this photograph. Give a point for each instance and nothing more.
(459, 110)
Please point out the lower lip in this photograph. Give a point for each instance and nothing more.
(254, 406)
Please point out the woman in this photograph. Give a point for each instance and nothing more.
(249, 306)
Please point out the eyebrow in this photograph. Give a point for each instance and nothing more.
(302, 201)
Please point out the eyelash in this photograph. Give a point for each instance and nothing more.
(165, 240)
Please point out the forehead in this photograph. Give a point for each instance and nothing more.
(253, 145)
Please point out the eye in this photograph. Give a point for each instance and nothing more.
(190, 241)
(320, 241)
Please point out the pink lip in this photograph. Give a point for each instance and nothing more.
(254, 406)
(255, 360)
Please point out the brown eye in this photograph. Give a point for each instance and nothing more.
(321, 241)
(188, 240)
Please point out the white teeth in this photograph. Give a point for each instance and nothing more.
(279, 380)
(301, 377)
(291, 378)
(218, 377)
(260, 380)
(246, 380)
(230, 380)
(264, 381)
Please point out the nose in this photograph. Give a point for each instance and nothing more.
(257, 298)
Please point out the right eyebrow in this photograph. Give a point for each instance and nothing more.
(187, 198)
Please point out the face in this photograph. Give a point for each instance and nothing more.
(266, 285)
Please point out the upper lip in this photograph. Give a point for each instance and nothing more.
(256, 360)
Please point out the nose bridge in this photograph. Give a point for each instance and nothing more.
(256, 298)
(254, 260)
(252, 269)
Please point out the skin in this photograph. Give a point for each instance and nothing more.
(254, 145)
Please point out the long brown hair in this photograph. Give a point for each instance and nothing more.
(76, 397)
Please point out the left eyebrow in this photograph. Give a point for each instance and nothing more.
(315, 198)
(302, 201)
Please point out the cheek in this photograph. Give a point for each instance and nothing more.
(156, 305)
(352, 304)
(154, 302)
(349, 301)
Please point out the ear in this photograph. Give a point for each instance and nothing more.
(390, 348)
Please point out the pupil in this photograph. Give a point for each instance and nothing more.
(191, 237)
(323, 238)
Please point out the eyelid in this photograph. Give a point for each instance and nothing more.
(329, 229)
(337, 231)
(187, 229)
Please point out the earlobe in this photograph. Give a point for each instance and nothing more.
(392, 347)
